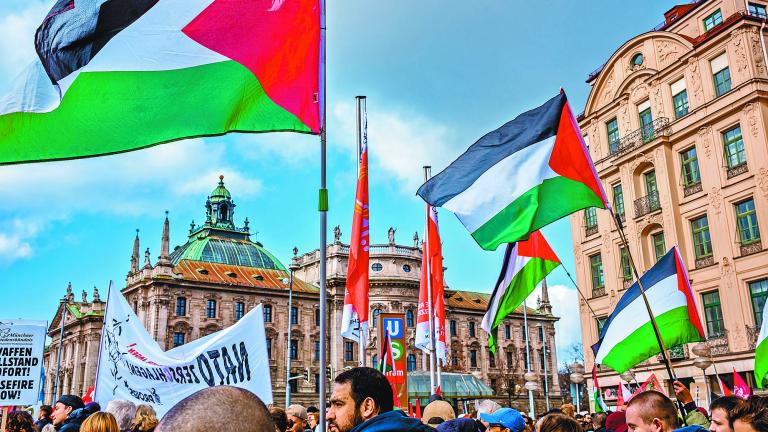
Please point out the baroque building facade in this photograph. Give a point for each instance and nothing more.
(676, 122)
(219, 274)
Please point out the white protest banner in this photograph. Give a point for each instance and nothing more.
(132, 365)
(21, 360)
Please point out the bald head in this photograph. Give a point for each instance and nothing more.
(213, 407)
(652, 407)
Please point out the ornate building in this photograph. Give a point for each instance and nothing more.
(676, 124)
(219, 274)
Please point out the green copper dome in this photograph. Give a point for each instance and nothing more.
(221, 192)
(226, 251)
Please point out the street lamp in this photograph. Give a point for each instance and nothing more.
(546, 379)
(289, 282)
(702, 362)
(577, 377)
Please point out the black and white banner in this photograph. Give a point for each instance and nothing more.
(132, 365)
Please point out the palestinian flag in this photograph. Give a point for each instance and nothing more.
(600, 406)
(519, 178)
(761, 353)
(628, 337)
(526, 264)
(120, 75)
(387, 360)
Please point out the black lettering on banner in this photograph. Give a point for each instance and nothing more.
(228, 365)
(189, 375)
(202, 361)
(214, 355)
(242, 362)
(180, 374)
(192, 369)
(173, 373)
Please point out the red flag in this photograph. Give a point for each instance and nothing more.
(355, 312)
(432, 263)
(410, 409)
(418, 408)
(88, 396)
(740, 387)
(723, 388)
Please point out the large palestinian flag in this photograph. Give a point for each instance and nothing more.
(119, 75)
(519, 178)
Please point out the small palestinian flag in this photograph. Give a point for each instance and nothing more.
(387, 361)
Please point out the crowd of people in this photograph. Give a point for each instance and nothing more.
(362, 401)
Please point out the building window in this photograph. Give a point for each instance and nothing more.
(210, 310)
(453, 327)
(491, 360)
(601, 324)
(178, 339)
(510, 359)
(294, 315)
(268, 313)
(317, 317)
(317, 383)
(712, 314)
(680, 98)
(294, 386)
(541, 334)
(525, 358)
(294, 351)
(375, 361)
(376, 313)
(473, 358)
(239, 310)
(181, 306)
(471, 329)
(651, 186)
(702, 244)
(690, 167)
(507, 332)
(409, 317)
(758, 291)
(646, 121)
(659, 248)
(349, 351)
(712, 20)
(721, 74)
(317, 351)
(269, 348)
(733, 149)
(590, 218)
(613, 135)
(377, 267)
(746, 221)
(494, 384)
(542, 360)
(637, 59)
(758, 10)
(626, 269)
(524, 334)
(411, 362)
(596, 270)
(406, 268)
(454, 359)
(618, 199)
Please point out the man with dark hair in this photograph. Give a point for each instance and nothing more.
(652, 411)
(752, 416)
(598, 422)
(721, 410)
(218, 408)
(43, 417)
(68, 414)
(362, 401)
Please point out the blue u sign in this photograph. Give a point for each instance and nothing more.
(394, 326)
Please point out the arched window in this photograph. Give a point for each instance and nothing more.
(409, 317)
(268, 313)
(411, 363)
(376, 313)
(223, 213)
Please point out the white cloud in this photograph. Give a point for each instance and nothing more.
(291, 148)
(16, 239)
(565, 304)
(17, 37)
(400, 142)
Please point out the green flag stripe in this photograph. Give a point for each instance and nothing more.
(113, 112)
(554, 199)
(761, 363)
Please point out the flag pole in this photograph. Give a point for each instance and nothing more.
(323, 209)
(657, 333)
(432, 357)
(361, 113)
(531, 405)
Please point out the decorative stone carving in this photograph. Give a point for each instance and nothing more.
(337, 234)
(658, 100)
(668, 53)
(639, 159)
(608, 88)
(391, 235)
(757, 52)
(749, 113)
(762, 180)
(740, 54)
(715, 200)
(694, 77)
(607, 242)
(577, 254)
(625, 121)
(648, 220)
(85, 297)
(639, 92)
(705, 140)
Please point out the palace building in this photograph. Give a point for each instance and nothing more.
(676, 122)
(219, 274)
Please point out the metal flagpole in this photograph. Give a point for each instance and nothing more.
(361, 115)
(664, 353)
(58, 362)
(323, 208)
(531, 405)
(432, 358)
(288, 346)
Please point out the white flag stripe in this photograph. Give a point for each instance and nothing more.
(502, 184)
(516, 263)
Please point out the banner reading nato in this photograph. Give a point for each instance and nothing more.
(21, 357)
(132, 365)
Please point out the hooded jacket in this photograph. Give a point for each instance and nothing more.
(392, 421)
(73, 421)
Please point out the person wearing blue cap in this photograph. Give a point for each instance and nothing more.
(503, 420)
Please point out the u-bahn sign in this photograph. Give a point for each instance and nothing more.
(394, 323)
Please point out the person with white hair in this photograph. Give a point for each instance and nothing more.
(486, 407)
(124, 411)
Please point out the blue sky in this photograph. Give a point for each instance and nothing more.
(438, 75)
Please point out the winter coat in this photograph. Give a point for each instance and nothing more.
(73, 421)
(693, 428)
(696, 418)
(392, 421)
